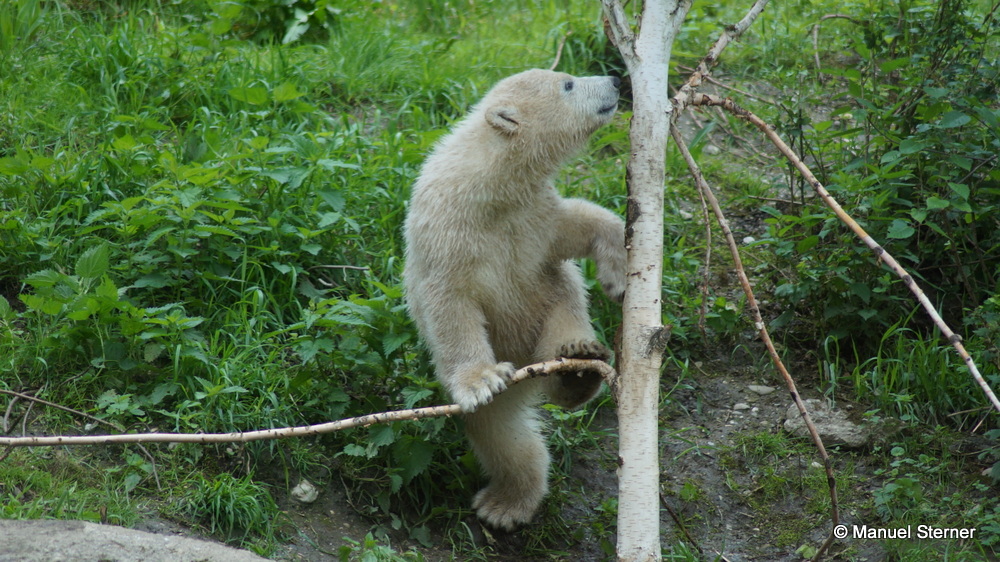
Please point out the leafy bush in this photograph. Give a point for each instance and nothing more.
(911, 152)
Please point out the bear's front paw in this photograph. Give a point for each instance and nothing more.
(479, 385)
(612, 278)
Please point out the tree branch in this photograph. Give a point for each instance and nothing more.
(617, 28)
(704, 68)
(758, 321)
(880, 253)
(531, 371)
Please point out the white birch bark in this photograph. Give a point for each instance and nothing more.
(647, 55)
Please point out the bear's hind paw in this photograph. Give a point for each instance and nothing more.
(504, 511)
(584, 349)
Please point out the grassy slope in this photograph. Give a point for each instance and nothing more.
(185, 211)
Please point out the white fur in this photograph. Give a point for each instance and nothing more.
(488, 277)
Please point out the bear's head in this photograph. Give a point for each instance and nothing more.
(551, 112)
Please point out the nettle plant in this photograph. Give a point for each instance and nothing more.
(911, 151)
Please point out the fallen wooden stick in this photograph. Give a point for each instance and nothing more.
(528, 372)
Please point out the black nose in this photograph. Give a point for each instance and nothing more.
(616, 81)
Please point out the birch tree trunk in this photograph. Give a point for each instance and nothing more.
(647, 56)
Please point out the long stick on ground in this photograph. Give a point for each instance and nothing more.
(954, 339)
(531, 371)
(706, 192)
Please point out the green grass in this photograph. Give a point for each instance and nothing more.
(200, 231)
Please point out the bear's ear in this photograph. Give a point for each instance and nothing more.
(504, 118)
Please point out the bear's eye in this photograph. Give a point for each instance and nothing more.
(568, 85)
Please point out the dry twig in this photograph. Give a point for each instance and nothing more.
(881, 255)
(559, 50)
(761, 327)
(531, 371)
(815, 38)
(33, 400)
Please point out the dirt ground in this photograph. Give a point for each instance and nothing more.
(723, 495)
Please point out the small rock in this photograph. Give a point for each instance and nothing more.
(741, 406)
(685, 215)
(711, 149)
(305, 492)
(760, 389)
(832, 424)
(749, 240)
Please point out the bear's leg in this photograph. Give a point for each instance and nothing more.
(506, 436)
(568, 333)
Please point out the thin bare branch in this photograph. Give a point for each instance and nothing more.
(880, 253)
(33, 400)
(18, 395)
(531, 371)
(731, 33)
(559, 50)
(761, 327)
(815, 38)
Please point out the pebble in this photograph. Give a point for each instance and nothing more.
(759, 389)
(741, 406)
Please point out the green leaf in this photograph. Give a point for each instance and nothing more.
(961, 161)
(392, 342)
(151, 351)
(83, 308)
(286, 91)
(13, 166)
(335, 199)
(125, 142)
(806, 244)
(953, 119)
(42, 304)
(413, 456)
(911, 146)
(291, 176)
(44, 279)
(354, 450)
(936, 203)
(255, 95)
(960, 189)
(381, 435)
(206, 230)
(894, 64)
(900, 229)
(93, 263)
(107, 290)
(412, 395)
(333, 165)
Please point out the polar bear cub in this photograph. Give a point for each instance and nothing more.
(488, 276)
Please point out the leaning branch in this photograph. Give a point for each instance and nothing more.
(531, 371)
(880, 253)
(731, 33)
(706, 192)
